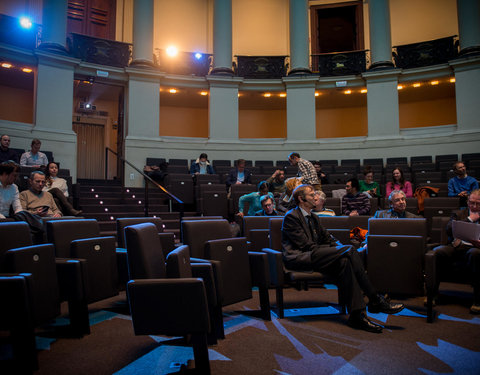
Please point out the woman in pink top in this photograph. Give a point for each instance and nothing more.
(398, 183)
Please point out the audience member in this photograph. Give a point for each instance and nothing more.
(268, 207)
(321, 175)
(276, 183)
(58, 187)
(37, 201)
(306, 170)
(461, 185)
(286, 201)
(368, 186)
(458, 249)
(201, 166)
(6, 153)
(9, 195)
(156, 172)
(253, 199)
(320, 209)
(239, 175)
(398, 204)
(309, 246)
(355, 203)
(399, 183)
(34, 158)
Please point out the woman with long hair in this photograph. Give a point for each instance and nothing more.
(398, 182)
(58, 187)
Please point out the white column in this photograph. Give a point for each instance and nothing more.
(143, 33)
(299, 49)
(468, 12)
(467, 81)
(380, 34)
(383, 109)
(300, 109)
(222, 37)
(54, 26)
(223, 109)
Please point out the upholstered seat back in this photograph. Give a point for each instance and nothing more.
(62, 232)
(144, 252)
(410, 227)
(196, 232)
(124, 222)
(254, 222)
(13, 235)
(178, 263)
(276, 233)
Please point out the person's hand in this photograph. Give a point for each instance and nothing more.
(237, 183)
(475, 243)
(474, 216)
(57, 215)
(463, 194)
(240, 214)
(353, 213)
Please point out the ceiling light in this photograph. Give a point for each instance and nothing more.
(267, 95)
(6, 65)
(283, 95)
(363, 91)
(172, 91)
(417, 84)
(433, 83)
(347, 92)
(399, 87)
(26, 70)
(204, 93)
(317, 93)
(452, 80)
(172, 51)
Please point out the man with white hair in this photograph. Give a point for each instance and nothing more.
(398, 204)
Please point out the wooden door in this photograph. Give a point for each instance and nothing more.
(92, 17)
(90, 150)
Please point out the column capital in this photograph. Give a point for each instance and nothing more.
(300, 81)
(224, 81)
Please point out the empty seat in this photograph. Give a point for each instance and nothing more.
(420, 159)
(372, 162)
(182, 162)
(397, 160)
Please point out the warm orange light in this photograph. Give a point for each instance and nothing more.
(6, 65)
(172, 51)
(204, 93)
(317, 93)
(417, 84)
(347, 92)
(267, 95)
(452, 80)
(283, 95)
(433, 83)
(363, 91)
(27, 70)
(172, 91)
(399, 87)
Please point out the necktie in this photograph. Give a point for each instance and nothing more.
(311, 226)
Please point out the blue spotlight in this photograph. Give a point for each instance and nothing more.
(25, 22)
(198, 55)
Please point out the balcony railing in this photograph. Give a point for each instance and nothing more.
(184, 63)
(261, 67)
(340, 63)
(433, 52)
(99, 51)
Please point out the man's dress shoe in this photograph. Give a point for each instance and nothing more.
(384, 306)
(362, 322)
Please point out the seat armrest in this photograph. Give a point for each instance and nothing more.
(259, 269)
(275, 262)
(168, 306)
(168, 242)
(217, 275)
(430, 271)
(205, 272)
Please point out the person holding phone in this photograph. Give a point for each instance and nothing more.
(37, 201)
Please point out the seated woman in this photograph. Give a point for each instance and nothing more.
(368, 186)
(398, 183)
(57, 186)
(201, 166)
(319, 208)
(286, 201)
(253, 199)
(9, 195)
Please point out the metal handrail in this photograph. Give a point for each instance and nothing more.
(146, 178)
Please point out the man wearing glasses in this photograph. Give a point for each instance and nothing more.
(458, 249)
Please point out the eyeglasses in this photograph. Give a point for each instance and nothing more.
(472, 203)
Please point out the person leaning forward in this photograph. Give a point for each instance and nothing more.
(309, 246)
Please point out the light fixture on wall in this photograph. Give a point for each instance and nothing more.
(172, 51)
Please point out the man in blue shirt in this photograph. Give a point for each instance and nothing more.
(461, 185)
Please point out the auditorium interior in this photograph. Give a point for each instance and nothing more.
(113, 86)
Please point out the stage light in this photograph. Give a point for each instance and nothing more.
(6, 65)
(363, 91)
(433, 83)
(198, 55)
(204, 93)
(26, 70)
(172, 51)
(88, 106)
(347, 92)
(25, 22)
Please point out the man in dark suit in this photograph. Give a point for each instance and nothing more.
(467, 250)
(309, 246)
(239, 175)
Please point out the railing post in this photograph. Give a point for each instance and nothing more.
(106, 163)
(145, 202)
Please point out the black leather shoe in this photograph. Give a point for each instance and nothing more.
(362, 322)
(385, 306)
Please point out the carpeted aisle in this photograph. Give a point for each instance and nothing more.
(302, 344)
